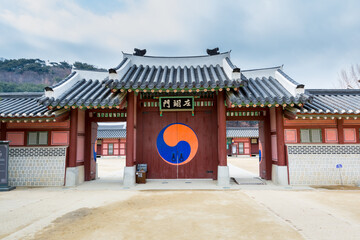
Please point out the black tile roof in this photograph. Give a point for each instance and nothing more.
(23, 105)
(242, 132)
(86, 93)
(264, 91)
(113, 134)
(111, 131)
(332, 101)
(152, 77)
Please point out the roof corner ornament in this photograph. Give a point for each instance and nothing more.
(112, 73)
(236, 73)
(46, 89)
(112, 70)
(139, 52)
(214, 51)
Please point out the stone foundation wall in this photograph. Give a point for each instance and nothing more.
(315, 164)
(37, 166)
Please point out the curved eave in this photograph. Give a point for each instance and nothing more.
(326, 116)
(28, 119)
(68, 107)
(265, 104)
(59, 116)
(85, 95)
(242, 101)
(175, 90)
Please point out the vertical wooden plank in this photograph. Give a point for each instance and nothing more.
(221, 129)
(262, 149)
(265, 147)
(87, 153)
(340, 126)
(94, 128)
(90, 141)
(267, 133)
(280, 137)
(73, 138)
(130, 120)
(250, 147)
(3, 131)
(135, 127)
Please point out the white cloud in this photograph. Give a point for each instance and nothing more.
(304, 35)
(149, 22)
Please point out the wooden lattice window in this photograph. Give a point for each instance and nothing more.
(37, 138)
(310, 135)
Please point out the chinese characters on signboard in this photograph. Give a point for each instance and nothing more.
(176, 103)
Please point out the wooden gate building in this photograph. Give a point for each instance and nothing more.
(175, 109)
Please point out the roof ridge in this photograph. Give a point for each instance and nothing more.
(258, 69)
(62, 81)
(21, 94)
(332, 91)
(193, 56)
(290, 79)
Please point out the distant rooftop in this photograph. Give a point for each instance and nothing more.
(242, 132)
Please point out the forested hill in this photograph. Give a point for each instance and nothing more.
(32, 75)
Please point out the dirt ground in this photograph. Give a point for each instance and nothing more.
(107, 211)
(173, 215)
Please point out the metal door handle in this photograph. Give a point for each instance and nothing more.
(181, 157)
(173, 158)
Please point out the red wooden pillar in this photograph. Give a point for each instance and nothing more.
(250, 147)
(340, 127)
(280, 136)
(3, 131)
(265, 167)
(90, 142)
(73, 138)
(130, 129)
(221, 114)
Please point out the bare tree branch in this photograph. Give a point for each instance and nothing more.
(350, 79)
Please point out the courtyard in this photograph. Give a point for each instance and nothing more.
(179, 209)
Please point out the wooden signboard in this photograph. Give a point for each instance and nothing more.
(176, 103)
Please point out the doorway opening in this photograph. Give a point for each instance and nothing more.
(111, 151)
(242, 145)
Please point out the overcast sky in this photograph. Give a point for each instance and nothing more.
(313, 39)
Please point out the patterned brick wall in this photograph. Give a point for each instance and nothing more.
(315, 164)
(37, 166)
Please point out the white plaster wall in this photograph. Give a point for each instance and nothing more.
(315, 164)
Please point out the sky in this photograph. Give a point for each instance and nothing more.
(314, 40)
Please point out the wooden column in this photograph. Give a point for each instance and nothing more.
(73, 138)
(87, 151)
(340, 128)
(3, 131)
(265, 146)
(130, 129)
(221, 116)
(280, 136)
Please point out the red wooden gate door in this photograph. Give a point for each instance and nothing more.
(93, 154)
(179, 145)
(262, 147)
